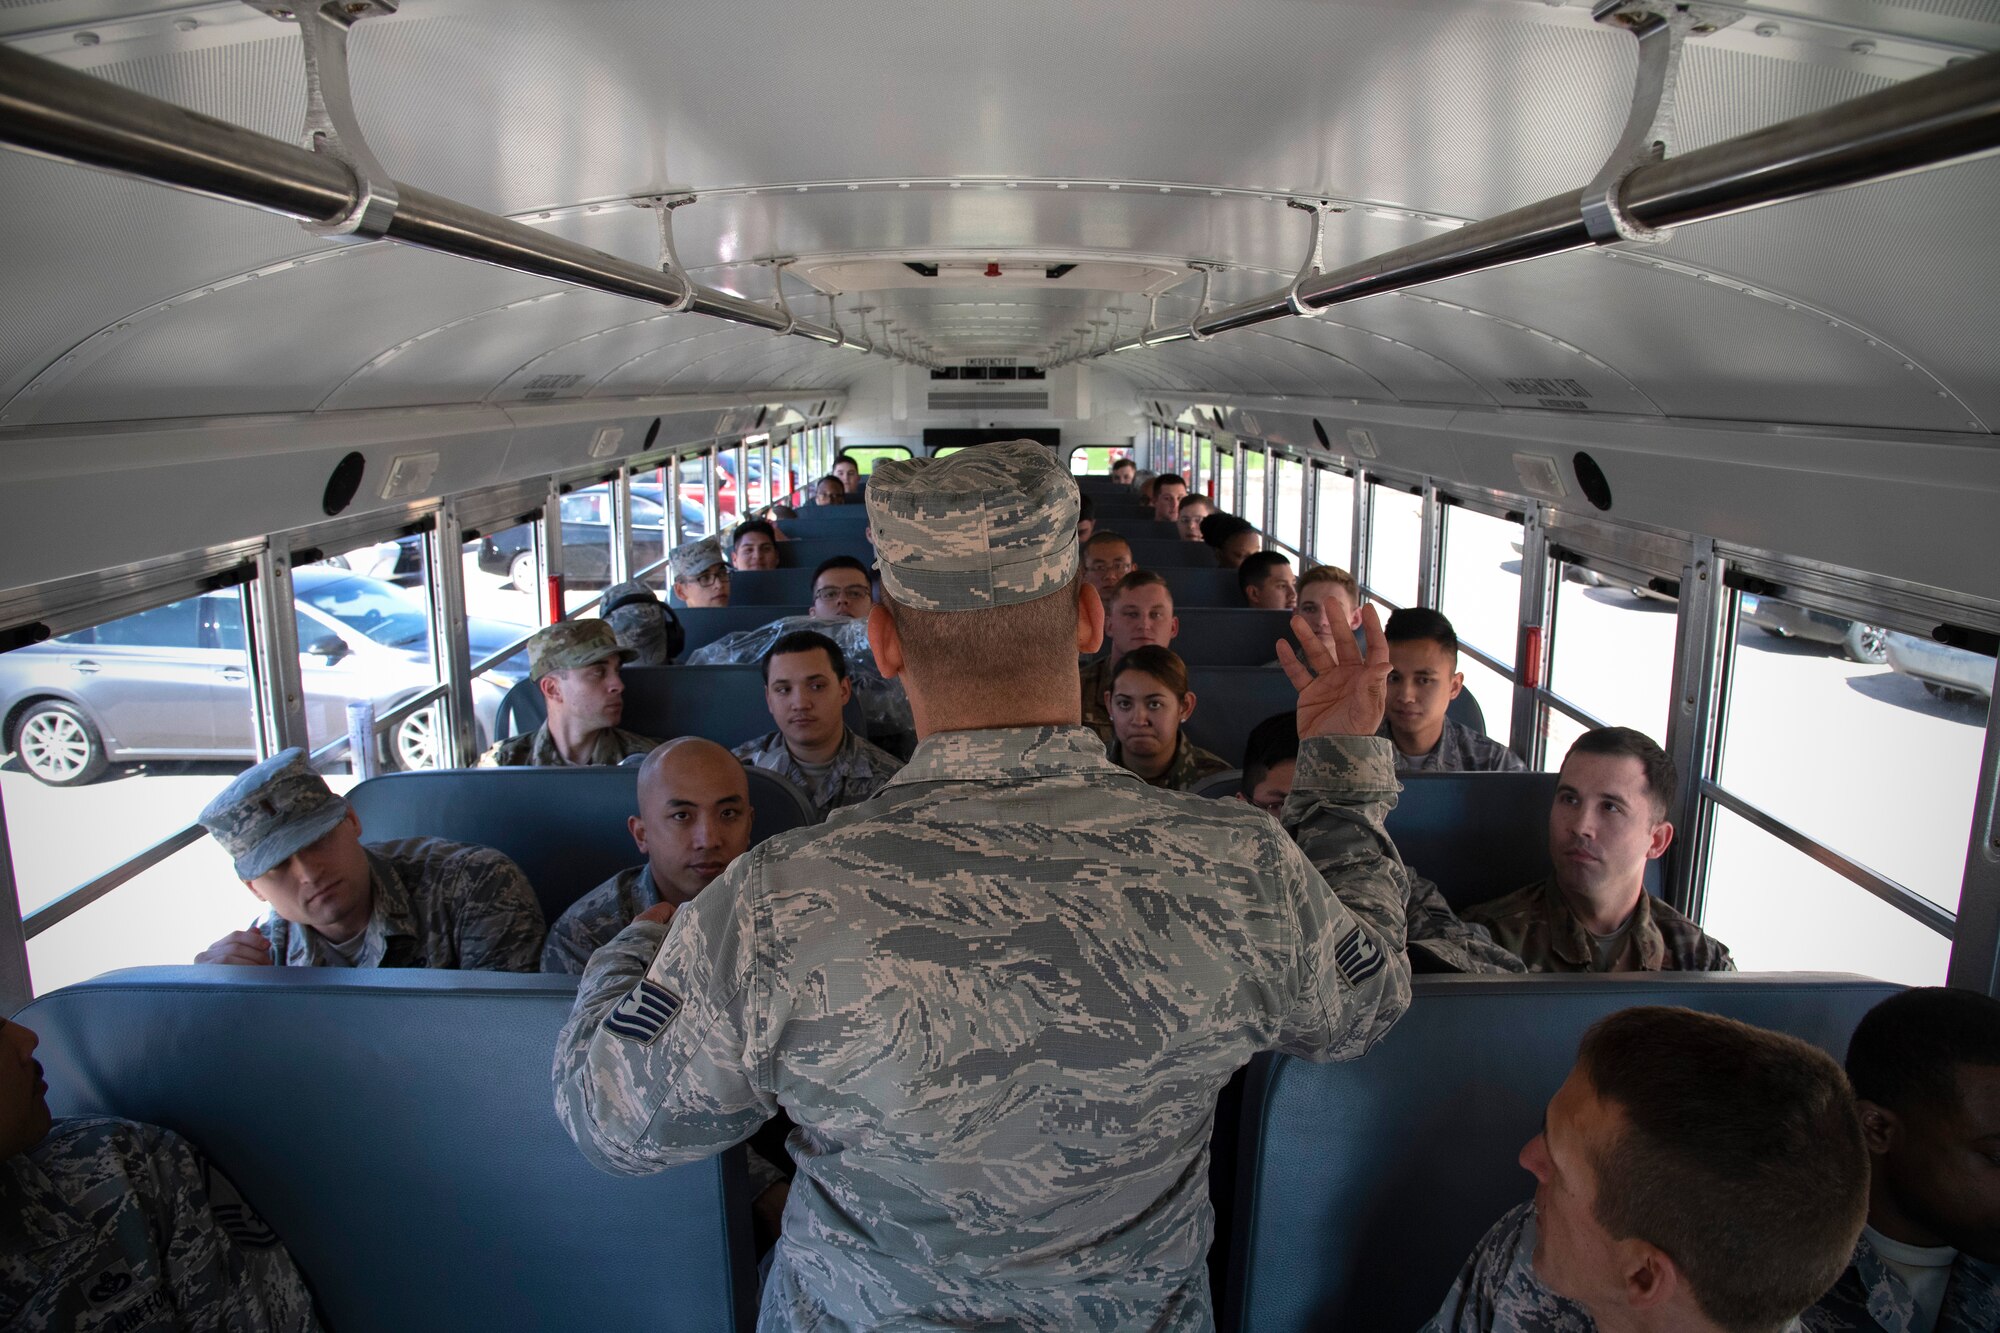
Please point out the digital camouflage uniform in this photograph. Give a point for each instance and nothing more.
(1096, 671)
(858, 770)
(1871, 1298)
(537, 749)
(437, 904)
(1460, 750)
(1451, 943)
(593, 919)
(1000, 998)
(1535, 924)
(1190, 764)
(108, 1226)
(1497, 1290)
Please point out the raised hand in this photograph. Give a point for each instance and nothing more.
(1342, 689)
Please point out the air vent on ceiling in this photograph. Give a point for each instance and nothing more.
(922, 270)
(975, 400)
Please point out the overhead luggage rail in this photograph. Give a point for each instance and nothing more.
(1932, 121)
(49, 111)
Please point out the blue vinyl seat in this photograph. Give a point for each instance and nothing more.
(1172, 553)
(565, 827)
(1193, 585)
(1361, 1186)
(1228, 636)
(807, 552)
(395, 1128)
(706, 624)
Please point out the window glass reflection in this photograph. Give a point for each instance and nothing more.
(1395, 539)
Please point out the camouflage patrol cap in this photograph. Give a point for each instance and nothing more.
(271, 812)
(696, 557)
(640, 622)
(569, 644)
(986, 527)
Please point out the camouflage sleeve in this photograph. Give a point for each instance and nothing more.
(1454, 943)
(655, 1066)
(500, 925)
(1497, 1290)
(567, 949)
(1354, 981)
(225, 1270)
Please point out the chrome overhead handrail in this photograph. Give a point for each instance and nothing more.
(49, 111)
(1932, 121)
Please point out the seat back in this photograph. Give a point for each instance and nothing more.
(1196, 586)
(807, 552)
(1230, 700)
(1222, 786)
(826, 521)
(395, 1128)
(1227, 636)
(1362, 1185)
(1148, 529)
(565, 827)
(1172, 553)
(787, 591)
(706, 624)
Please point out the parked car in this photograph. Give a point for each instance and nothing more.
(400, 561)
(172, 682)
(694, 520)
(1861, 642)
(586, 524)
(1956, 675)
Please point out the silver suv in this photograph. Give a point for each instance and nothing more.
(172, 682)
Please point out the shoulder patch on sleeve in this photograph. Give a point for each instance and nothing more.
(645, 1012)
(1357, 956)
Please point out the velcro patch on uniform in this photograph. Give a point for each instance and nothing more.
(1357, 956)
(644, 1014)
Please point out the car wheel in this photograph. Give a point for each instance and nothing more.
(1866, 643)
(521, 573)
(417, 741)
(59, 746)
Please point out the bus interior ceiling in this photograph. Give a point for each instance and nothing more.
(855, 201)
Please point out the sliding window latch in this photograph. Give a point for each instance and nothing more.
(670, 258)
(1661, 29)
(332, 128)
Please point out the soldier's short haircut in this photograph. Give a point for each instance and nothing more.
(838, 562)
(1117, 463)
(998, 649)
(1196, 498)
(1104, 538)
(1218, 528)
(1335, 575)
(806, 641)
(1141, 578)
(755, 525)
(830, 477)
(1168, 479)
(1259, 567)
(1162, 664)
(1273, 741)
(1661, 775)
(1414, 623)
(1740, 1156)
(844, 457)
(1906, 1051)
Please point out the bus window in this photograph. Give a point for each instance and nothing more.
(1480, 594)
(1810, 735)
(1204, 452)
(1395, 537)
(1253, 491)
(1290, 479)
(1333, 518)
(1225, 477)
(1086, 460)
(866, 456)
(1778, 909)
(119, 734)
(1611, 658)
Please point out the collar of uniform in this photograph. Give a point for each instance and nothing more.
(390, 919)
(34, 1216)
(1569, 941)
(1890, 1303)
(1002, 754)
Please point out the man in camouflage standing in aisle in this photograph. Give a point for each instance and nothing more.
(999, 1017)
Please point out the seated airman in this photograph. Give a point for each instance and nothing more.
(1140, 611)
(110, 1224)
(1423, 680)
(1167, 493)
(335, 902)
(1694, 1173)
(1194, 508)
(806, 686)
(754, 545)
(1329, 597)
(1107, 558)
(1438, 941)
(829, 491)
(694, 819)
(701, 575)
(1267, 582)
(841, 590)
(1124, 470)
(574, 663)
(1925, 1066)
(848, 473)
(642, 623)
(1594, 914)
(1232, 539)
(1149, 700)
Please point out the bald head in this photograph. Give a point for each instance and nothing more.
(694, 815)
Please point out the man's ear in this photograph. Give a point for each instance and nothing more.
(254, 893)
(1881, 1128)
(638, 831)
(885, 642)
(1457, 684)
(550, 687)
(1663, 836)
(1650, 1277)
(1089, 621)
